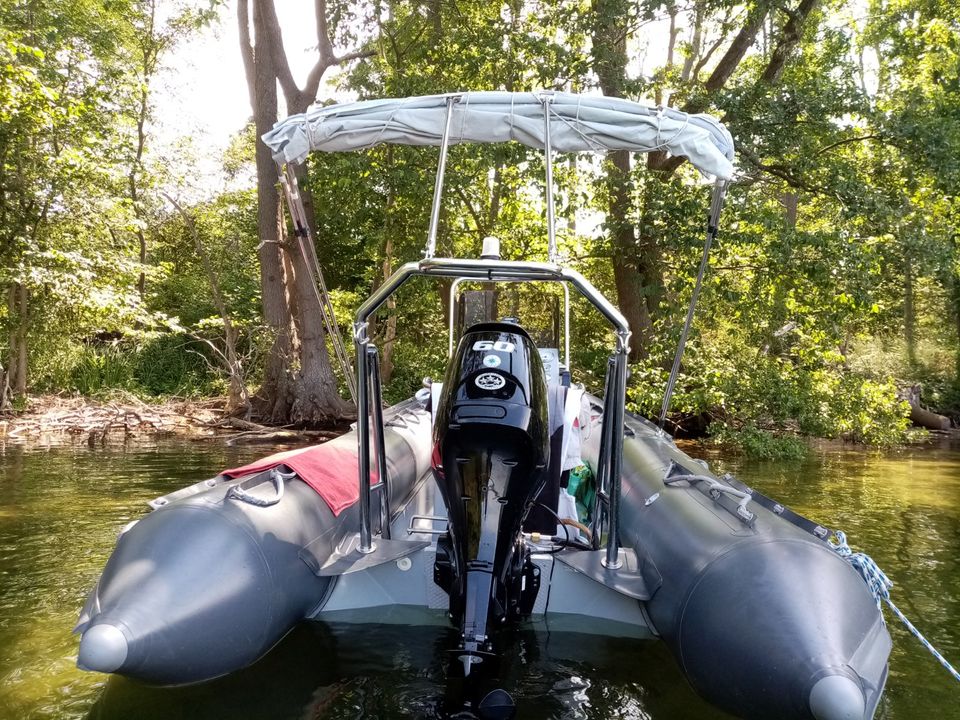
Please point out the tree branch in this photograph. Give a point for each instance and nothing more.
(847, 141)
(789, 39)
(706, 58)
(777, 170)
(695, 41)
(246, 48)
(477, 220)
(660, 161)
(327, 58)
(353, 55)
(738, 48)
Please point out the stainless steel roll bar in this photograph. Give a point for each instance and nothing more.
(566, 317)
(611, 459)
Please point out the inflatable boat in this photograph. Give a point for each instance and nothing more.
(503, 494)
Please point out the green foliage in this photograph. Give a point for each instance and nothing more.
(759, 444)
(162, 366)
(932, 366)
(172, 365)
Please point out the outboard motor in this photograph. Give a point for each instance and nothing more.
(490, 459)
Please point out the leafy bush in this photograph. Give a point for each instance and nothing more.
(753, 399)
(757, 443)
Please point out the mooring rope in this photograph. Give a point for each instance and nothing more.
(880, 585)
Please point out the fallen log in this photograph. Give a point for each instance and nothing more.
(919, 415)
(275, 436)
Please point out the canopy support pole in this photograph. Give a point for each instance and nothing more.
(548, 157)
(713, 221)
(438, 186)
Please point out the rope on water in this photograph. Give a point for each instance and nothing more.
(880, 585)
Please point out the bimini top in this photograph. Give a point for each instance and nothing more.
(577, 123)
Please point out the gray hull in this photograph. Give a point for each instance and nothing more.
(764, 619)
(206, 584)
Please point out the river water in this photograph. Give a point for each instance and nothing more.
(61, 508)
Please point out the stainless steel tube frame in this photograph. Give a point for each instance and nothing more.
(438, 184)
(566, 317)
(619, 390)
(601, 502)
(491, 271)
(546, 99)
(361, 341)
(376, 399)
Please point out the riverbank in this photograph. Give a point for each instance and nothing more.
(123, 417)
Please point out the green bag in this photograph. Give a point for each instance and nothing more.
(584, 490)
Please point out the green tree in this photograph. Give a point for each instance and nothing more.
(62, 75)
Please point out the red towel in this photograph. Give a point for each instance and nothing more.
(330, 469)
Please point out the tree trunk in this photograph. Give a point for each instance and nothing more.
(629, 262)
(133, 182)
(789, 39)
(696, 39)
(17, 310)
(299, 384)
(791, 208)
(633, 262)
(315, 397)
(955, 297)
(276, 391)
(20, 384)
(6, 400)
(150, 48)
(778, 325)
(909, 312)
(919, 415)
(275, 396)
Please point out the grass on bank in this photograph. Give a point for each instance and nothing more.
(168, 365)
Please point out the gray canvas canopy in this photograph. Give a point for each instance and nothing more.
(577, 123)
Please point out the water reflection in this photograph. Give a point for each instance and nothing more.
(323, 671)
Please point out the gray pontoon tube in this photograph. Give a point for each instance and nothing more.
(207, 583)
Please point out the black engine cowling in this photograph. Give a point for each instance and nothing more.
(490, 458)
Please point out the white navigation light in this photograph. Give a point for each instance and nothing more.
(491, 248)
